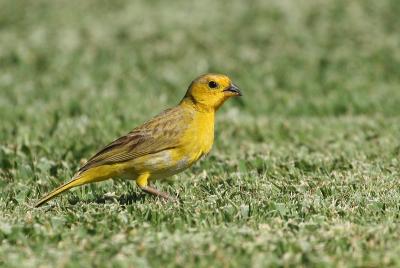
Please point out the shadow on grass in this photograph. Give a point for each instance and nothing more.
(125, 199)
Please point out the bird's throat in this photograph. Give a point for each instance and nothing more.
(189, 101)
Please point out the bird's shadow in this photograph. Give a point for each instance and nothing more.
(125, 199)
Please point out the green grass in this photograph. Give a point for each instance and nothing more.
(305, 167)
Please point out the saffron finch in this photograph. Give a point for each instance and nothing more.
(165, 145)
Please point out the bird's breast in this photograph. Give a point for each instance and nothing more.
(199, 138)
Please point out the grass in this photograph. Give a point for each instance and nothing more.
(305, 167)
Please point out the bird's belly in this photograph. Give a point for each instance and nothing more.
(163, 164)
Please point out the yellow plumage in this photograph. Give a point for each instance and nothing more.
(166, 145)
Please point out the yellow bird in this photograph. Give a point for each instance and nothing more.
(166, 145)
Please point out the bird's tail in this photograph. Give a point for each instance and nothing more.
(77, 180)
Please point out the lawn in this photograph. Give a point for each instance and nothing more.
(305, 166)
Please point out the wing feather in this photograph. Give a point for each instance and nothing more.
(160, 133)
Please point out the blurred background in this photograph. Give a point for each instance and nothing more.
(320, 114)
(292, 58)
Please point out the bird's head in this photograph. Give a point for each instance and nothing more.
(210, 91)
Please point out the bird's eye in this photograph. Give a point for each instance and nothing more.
(212, 84)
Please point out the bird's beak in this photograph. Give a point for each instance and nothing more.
(233, 90)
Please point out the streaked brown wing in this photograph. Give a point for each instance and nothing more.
(160, 133)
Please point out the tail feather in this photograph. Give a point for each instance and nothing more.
(91, 175)
(76, 181)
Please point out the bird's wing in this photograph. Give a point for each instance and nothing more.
(160, 133)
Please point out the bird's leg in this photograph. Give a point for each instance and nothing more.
(154, 191)
(142, 182)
